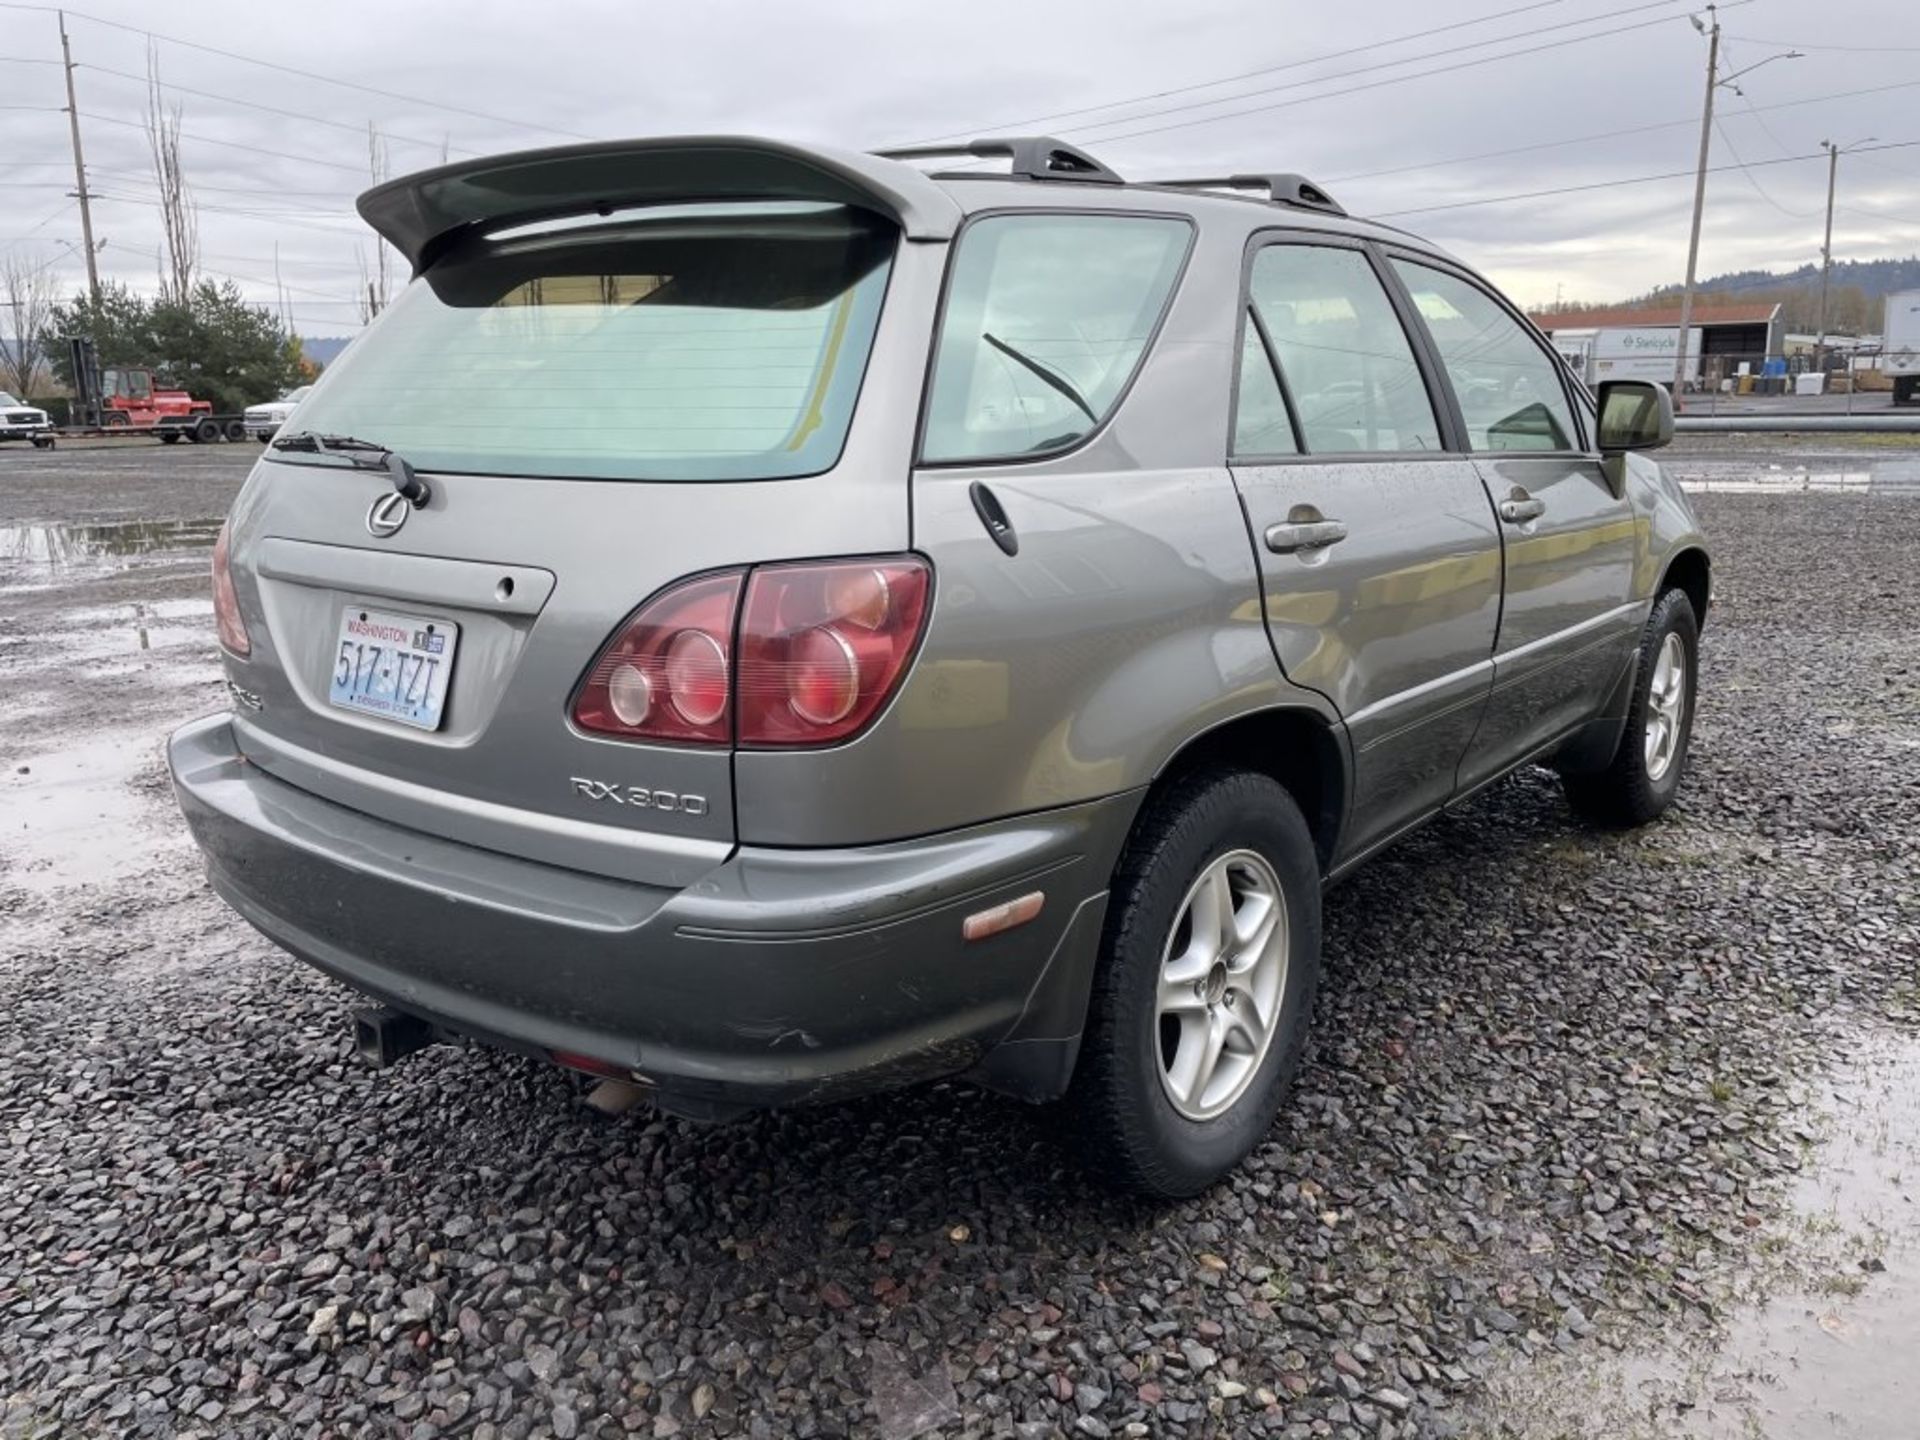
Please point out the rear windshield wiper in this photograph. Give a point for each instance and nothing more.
(362, 455)
(1053, 378)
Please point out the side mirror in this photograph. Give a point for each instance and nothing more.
(1634, 415)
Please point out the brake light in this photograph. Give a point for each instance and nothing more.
(226, 602)
(822, 646)
(666, 673)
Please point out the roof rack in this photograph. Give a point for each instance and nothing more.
(1034, 157)
(1282, 189)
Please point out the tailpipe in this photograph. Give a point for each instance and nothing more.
(384, 1036)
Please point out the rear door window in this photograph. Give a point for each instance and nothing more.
(691, 343)
(1261, 424)
(1046, 320)
(1343, 353)
(1507, 383)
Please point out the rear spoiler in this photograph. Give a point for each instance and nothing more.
(421, 215)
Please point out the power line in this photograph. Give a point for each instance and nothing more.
(1388, 65)
(330, 297)
(1400, 79)
(1614, 134)
(1003, 125)
(230, 144)
(1624, 180)
(292, 70)
(1849, 49)
(280, 216)
(272, 110)
(39, 225)
(1746, 171)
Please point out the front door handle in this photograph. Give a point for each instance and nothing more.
(1304, 535)
(1521, 508)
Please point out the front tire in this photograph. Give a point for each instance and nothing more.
(1644, 774)
(1200, 1004)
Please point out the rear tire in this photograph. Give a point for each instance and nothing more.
(206, 432)
(170, 437)
(1150, 1115)
(1640, 781)
(236, 431)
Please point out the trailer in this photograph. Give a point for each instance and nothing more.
(124, 400)
(1900, 346)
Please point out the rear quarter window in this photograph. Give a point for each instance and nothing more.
(1046, 319)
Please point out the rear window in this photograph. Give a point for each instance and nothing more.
(694, 343)
(1046, 319)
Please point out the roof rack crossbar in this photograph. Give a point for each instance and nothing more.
(1033, 157)
(1283, 188)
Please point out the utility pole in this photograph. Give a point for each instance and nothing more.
(1714, 81)
(80, 168)
(1834, 152)
(1699, 202)
(1826, 254)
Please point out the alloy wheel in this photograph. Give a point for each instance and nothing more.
(1222, 977)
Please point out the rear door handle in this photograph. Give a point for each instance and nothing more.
(1521, 509)
(1304, 535)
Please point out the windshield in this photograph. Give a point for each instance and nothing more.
(698, 343)
(6, 399)
(294, 397)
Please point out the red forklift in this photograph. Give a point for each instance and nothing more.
(123, 398)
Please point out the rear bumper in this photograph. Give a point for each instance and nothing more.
(778, 977)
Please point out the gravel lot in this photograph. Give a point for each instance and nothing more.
(1553, 1104)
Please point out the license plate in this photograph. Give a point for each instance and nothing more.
(393, 666)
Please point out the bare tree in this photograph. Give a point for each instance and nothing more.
(28, 292)
(376, 280)
(179, 216)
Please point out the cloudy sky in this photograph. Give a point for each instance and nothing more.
(1402, 108)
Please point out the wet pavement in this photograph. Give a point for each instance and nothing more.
(1598, 1136)
(1825, 1342)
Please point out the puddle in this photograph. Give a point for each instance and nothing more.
(1898, 477)
(72, 817)
(1831, 1352)
(109, 633)
(57, 549)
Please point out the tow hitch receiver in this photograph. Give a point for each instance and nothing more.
(385, 1036)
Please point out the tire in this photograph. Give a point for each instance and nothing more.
(1640, 781)
(116, 420)
(235, 431)
(170, 437)
(1131, 1130)
(206, 432)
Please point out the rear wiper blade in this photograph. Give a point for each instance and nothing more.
(1053, 378)
(362, 455)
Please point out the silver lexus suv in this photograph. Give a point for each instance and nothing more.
(758, 624)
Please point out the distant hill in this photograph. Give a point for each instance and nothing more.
(1876, 279)
(322, 350)
(1855, 301)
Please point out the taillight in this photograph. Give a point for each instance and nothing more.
(226, 604)
(822, 646)
(666, 675)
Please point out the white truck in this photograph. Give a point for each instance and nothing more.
(1900, 346)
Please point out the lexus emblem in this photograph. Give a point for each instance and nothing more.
(388, 514)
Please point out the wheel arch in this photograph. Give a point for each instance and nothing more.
(1297, 746)
(1689, 569)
